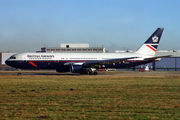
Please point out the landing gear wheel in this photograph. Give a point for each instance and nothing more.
(18, 73)
(95, 73)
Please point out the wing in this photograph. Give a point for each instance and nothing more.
(96, 63)
(108, 61)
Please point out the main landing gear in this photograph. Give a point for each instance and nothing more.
(18, 73)
(90, 71)
(93, 73)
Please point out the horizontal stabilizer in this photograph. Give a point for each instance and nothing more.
(153, 58)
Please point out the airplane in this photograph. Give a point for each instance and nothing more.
(88, 63)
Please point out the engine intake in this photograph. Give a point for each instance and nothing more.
(78, 69)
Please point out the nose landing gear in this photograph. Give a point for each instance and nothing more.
(19, 72)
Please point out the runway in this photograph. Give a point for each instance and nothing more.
(100, 73)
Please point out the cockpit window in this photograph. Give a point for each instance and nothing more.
(12, 57)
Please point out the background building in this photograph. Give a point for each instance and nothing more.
(74, 47)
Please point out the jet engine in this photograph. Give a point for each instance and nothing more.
(78, 69)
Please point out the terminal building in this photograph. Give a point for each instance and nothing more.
(74, 47)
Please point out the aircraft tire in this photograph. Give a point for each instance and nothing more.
(95, 73)
(18, 73)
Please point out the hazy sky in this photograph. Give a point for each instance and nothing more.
(28, 25)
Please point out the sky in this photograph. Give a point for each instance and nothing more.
(28, 25)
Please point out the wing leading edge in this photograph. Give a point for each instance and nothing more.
(99, 62)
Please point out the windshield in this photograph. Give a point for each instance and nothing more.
(12, 57)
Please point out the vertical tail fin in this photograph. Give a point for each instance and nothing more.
(151, 44)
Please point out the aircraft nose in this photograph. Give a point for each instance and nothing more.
(7, 62)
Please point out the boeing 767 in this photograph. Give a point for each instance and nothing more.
(88, 63)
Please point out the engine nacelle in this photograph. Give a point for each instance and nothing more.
(63, 69)
(78, 69)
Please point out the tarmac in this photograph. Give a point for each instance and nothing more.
(100, 73)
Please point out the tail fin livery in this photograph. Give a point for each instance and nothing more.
(151, 44)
